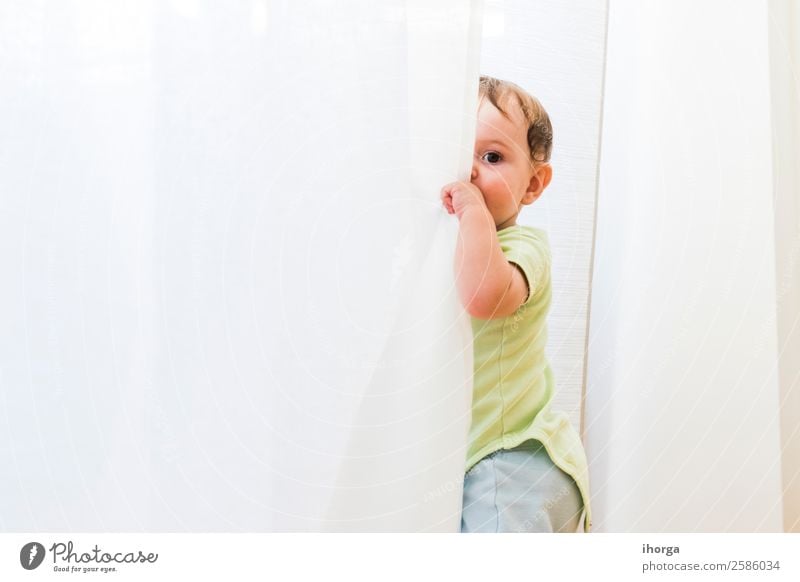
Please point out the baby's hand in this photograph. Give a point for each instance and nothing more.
(458, 196)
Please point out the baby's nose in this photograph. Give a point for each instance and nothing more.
(474, 173)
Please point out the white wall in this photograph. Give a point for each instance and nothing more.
(682, 417)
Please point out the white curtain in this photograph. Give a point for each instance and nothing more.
(683, 410)
(228, 296)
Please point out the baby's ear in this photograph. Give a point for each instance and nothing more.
(539, 181)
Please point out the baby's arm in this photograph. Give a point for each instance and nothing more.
(489, 286)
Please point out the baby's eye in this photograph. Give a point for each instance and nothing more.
(492, 157)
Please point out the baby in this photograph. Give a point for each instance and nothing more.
(526, 468)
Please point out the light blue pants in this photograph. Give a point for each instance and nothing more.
(520, 490)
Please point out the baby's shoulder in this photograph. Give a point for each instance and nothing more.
(522, 237)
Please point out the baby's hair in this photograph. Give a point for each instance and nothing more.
(540, 131)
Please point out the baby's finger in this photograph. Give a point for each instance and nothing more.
(450, 188)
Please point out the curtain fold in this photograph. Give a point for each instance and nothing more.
(404, 461)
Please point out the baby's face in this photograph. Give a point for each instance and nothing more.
(502, 167)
